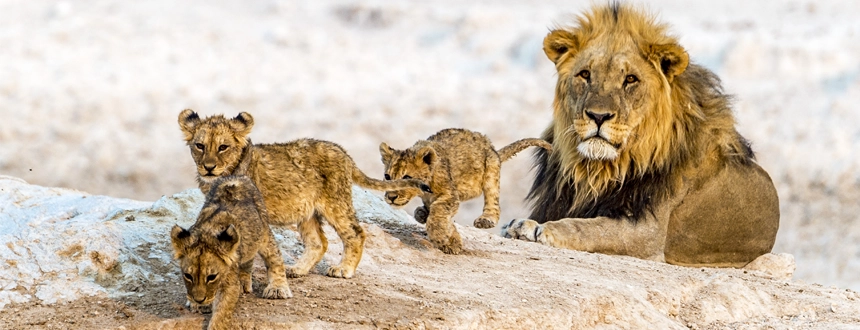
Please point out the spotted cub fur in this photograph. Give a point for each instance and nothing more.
(459, 165)
(305, 182)
(216, 254)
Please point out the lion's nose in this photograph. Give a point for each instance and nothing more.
(599, 118)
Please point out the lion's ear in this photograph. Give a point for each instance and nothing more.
(428, 155)
(242, 124)
(188, 121)
(386, 152)
(672, 59)
(181, 239)
(228, 239)
(558, 43)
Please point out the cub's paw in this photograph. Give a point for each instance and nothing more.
(485, 223)
(452, 245)
(339, 272)
(273, 291)
(197, 308)
(245, 280)
(292, 271)
(524, 229)
(421, 214)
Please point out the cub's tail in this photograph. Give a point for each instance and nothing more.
(512, 149)
(364, 181)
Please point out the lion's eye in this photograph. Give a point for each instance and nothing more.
(630, 79)
(584, 74)
(199, 146)
(222, 147)
(188, 277)
(406, 177)
(211, 278)
(387, 177)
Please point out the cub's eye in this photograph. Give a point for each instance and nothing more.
(222, 147)
(188, 277)
(199, 146)
(211, 278)
(584, 74)
(406, 177)
(630, 79)
(387, 177)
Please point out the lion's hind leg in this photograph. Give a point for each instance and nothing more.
(315, 245)
(341, 216)
(490, 216)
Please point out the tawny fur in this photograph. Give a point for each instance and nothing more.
(646, 159)
(458, 165)
(305, 182)
(216, 254)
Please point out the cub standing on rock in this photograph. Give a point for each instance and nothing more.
(303, 182)
(217, 253)
(458, 165)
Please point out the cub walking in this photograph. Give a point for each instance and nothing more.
(459, 165)
(304, 182)
(216, 254)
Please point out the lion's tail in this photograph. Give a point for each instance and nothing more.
(512, 149)
(364, 181)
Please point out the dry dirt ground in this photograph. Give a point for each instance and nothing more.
(403, 283)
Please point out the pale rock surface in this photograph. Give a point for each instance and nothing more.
(64, 245)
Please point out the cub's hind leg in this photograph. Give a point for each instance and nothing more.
(490, 216)
(277, 287)
(341, 216)
(315, 245)
(245, 275)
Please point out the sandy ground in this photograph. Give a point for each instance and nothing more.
(402, 282)
(91, 90)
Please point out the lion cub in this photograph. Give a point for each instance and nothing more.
(216, 254)
(458, 165)
(305, 182)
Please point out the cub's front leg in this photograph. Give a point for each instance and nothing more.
(421, 214)
(440, 228)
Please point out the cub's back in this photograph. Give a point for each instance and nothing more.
(233, 200)
(466, 151)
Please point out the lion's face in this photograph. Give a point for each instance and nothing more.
(415, 163)
(608, 86)
(205, 260)
(216, 143)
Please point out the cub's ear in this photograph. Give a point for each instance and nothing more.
(671, 59)
(386, 152)
(228, 239)
(242, 124)
(559, 43)
(188, 122)
(181, 239)
(428, 155)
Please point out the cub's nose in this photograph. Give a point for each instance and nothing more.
(392, 198)
(200, 301)
(599, 118)
(209, 168)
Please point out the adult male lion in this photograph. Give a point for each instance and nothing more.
(646, 160)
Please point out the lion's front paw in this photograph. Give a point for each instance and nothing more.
(485, 223)
(451, 245)
(245, 280)
(524, 229)
(277, 291)
(339, 272)
(198, 308)
(421, 214)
